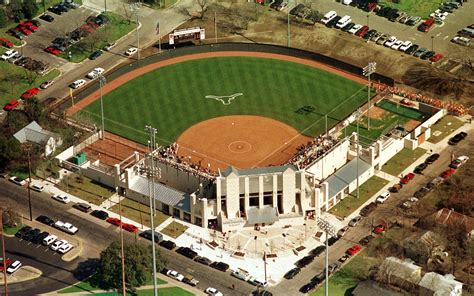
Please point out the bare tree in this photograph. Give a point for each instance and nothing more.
(90, 42)
(203, 6)
(30, 76)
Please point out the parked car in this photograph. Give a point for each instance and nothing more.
(22, 231)
(114, 221)
(366, 240)
(49, 239)
(46, 84)
(354, 221)
(391, 41)
(396, 187)
(308, 287)
(368, 209)
(148, 235)
(383, 197)
(131, 51)
(347, 27)
(292, 273)
(130, 227)
(379, 229)
(83, 207)
(342, 231)
(14, 267)
(52, 50)
(167, 244)
(407, 204)
(382, 39)
(95, 55)
(29, 93)
(203, 260)
(353, 250)
(100, 214)
(11, 105)
(432, 158)
(95, 73)
(427, 55)
(190, 280)
(332, 240)
(39, 238)
(317, 251)
(305, 261)
(175, 275)
(355, 28)
(426, 25)
(57, 244)
(66, 227)
(109, 46)
(333, 267)
(220, 266)
(4, 263)
(405, 45)
(457, 138)
(411, 50)
(78, 83)
(419, 52)
(459, 161)
(213, 292)
(447, 173)
(421, 192)
(31, 234)
(397, 45)
(420, 168)
(362, 31)
(61, 197)
(18, 181)
(8, 54)
(436, 57)
(47, 18)
(187, 252)
(256, 282)
(241, 274)
(45, 220)
(407, 178)
(5, 42)
(413, 20)
(343, 258)
(65, 248)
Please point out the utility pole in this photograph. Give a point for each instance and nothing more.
(367, 71)
(102, 82)
(29, 182)
(288, 28)
(357, 160)
(135, 7)
(159, 37)
(124, 290)
(3, 254)
(330, 231)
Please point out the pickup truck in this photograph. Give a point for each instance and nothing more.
(190, 280)
(66, 227)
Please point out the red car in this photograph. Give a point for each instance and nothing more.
(353, 250)
(407, 178)
(130, 227)
(31, 26)
(8, 263)
(426, 25)
(24, 30)
(32, 92)
(447, 173)
(5, 42)
(114, 221)
(362, 31)
(379, 229)
(436, 57)
(12, 105)
(52, 50)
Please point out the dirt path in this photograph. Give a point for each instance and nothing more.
(148, 68)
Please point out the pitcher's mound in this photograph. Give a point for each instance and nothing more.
(243, 141)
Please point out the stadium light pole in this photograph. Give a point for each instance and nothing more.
(367, 71)
(330, 230)
(102, 82)
(151, 173)
(357, 156)
(134, 7)
(288, 14)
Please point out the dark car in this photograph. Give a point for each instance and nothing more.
(368, 209)
(432, 158)
(332, 240)
(83, 207)
(148, 235)
(95, 54)
(420, 168)
(421, 192)
(45, 219)
(100, 214)
(22, 231)
(31, 234)
(366, 240)
(187, 252)
(292, 273)
(317, 251)
(308, 287)
(39, 239)
(305, 261)
(410, 50)
(370, 34)
(168, 244)
(220, 266)
(203, 260)
(333, 22)
(347, 27)
(427, 55)
(383, 11)
(457, 138)
(419, 52)
(47, 18)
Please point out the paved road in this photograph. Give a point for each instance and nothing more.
(457, 20)
(96, 235)
(389, 209)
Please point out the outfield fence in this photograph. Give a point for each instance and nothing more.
(206, 48)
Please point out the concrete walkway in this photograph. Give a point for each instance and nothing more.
(111, 201)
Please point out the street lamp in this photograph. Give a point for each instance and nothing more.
(102, 82)
(367, 71)
(330, 231)
(432, 43)
(134, 7)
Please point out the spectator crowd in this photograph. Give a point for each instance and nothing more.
(307, 153)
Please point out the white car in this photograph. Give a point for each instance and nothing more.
(213, 292)
(78, 83)
(354, 221)
(383, 197)
(397, 45)
(95, 73)
(14, 267)
(58, 244)
(354, 29)
(37, 187)
(109, 46)
(18, 181)
(9, 54)
(131, 51)
(175, 275)
(405, 45)
(61, 197)
(49, 239)
(66, 227)
(65, 248)
(459, 161)
(391, 41)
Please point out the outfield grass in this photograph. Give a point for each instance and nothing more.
(86, 189)
(17, 81)
(139, 213)
(351, 203)
(173, 98)
(444, 127)
(421, 8)
(117, 27)
(402, 160)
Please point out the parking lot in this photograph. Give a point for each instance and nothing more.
(62, 24)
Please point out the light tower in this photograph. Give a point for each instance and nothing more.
(330, 231)
(102, 82)
(367, 71)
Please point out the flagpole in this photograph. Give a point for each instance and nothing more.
(215, 25)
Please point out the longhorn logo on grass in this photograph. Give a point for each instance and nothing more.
(226, 100)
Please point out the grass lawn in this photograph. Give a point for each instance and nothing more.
(170, 291)
(421, 8)
(12, 230)
(86, 189)
(173, 98)
(117, 27)
(131, 209)
(444, 127)
(351, 202)
(346, 279)
(402, 160)
(92, 284)
(17, 81)
(174, 229)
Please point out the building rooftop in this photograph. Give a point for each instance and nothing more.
(258, 171)
(33, 132)
(346, 175)
(441, 285)
(162, 192)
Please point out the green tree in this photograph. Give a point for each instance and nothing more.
(138, 265)
(3, 18)
(29, 8)
(33, 109)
